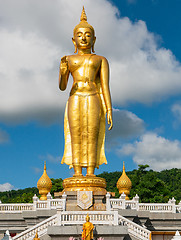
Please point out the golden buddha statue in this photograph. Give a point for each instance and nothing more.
(89, 101)
(36, 237)
(87, 233)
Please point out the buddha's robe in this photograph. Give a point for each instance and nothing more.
(87, 233)
(84, 124)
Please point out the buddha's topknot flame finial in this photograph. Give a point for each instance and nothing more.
(83, 15)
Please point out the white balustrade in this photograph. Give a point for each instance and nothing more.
(129, 204)
(41, 205)
(156, 207)
(15, 207)
(79, 217)
(134, 229)
(121, 203)
(41, 228)
(111, 204)
(116, 203)
(54, 203)
(37, 204)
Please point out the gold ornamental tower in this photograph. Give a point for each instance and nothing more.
(124, 184)
(44, 184)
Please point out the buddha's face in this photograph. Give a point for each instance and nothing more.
(87, 218)
(84, 38)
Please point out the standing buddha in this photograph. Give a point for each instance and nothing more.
(88, 104)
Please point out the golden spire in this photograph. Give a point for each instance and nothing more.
(124, 183)
(36, 236)
(83, 22)
(44, 184)
(83, 15)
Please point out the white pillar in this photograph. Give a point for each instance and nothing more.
(64, 196)
(49, 197)
(173, 205)
(123, 196)
(116, 217)
(108, 203)
(136, 198)
(35, 199)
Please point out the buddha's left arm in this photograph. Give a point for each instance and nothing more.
(104, 77)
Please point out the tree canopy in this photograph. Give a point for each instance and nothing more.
(151, 186)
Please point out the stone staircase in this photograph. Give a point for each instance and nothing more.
(110, 223)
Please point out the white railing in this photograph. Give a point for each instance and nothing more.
(116, 203)
(40, 228)
(15, 207)
(61, 203)
(41, 205)
(37, 204)
(79, 217)
(134, 229)
(122, 203)
(156, 207)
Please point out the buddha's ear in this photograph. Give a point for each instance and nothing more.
(73, 40)
(93, 45)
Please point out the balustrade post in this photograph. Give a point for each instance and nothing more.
(49, 197)
(35, 200)
(59, 215)
(173, 205)
(179, 207)
(64, 197)
(136, 198)
(108, 203)
(116, 217)
(123, 199)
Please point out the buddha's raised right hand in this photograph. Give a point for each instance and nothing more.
(64, 66)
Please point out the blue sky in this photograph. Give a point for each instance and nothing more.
(141, 40)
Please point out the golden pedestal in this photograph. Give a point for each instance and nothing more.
(84, 183)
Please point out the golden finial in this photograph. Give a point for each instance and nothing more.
(45, 166)
(83, 15)
(83, 22)
(36, 236)
(44, 184)
(124, 183)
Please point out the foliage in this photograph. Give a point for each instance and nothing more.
(18, 196)
(151, 186)
(26, 195)
(56, 185)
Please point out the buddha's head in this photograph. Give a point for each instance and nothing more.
(87, 218)
(84, 35)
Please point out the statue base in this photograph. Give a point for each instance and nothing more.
(84, 183)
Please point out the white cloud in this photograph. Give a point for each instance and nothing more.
(125, 125)
(51, 158)
(176, 109)
(37, 170)
(156, 151)
(35, 35)
(4, 137)
(6, 187)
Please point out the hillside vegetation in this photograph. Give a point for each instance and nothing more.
(151, 186)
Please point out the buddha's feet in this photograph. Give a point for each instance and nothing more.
(90, 171)
(78, 171)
